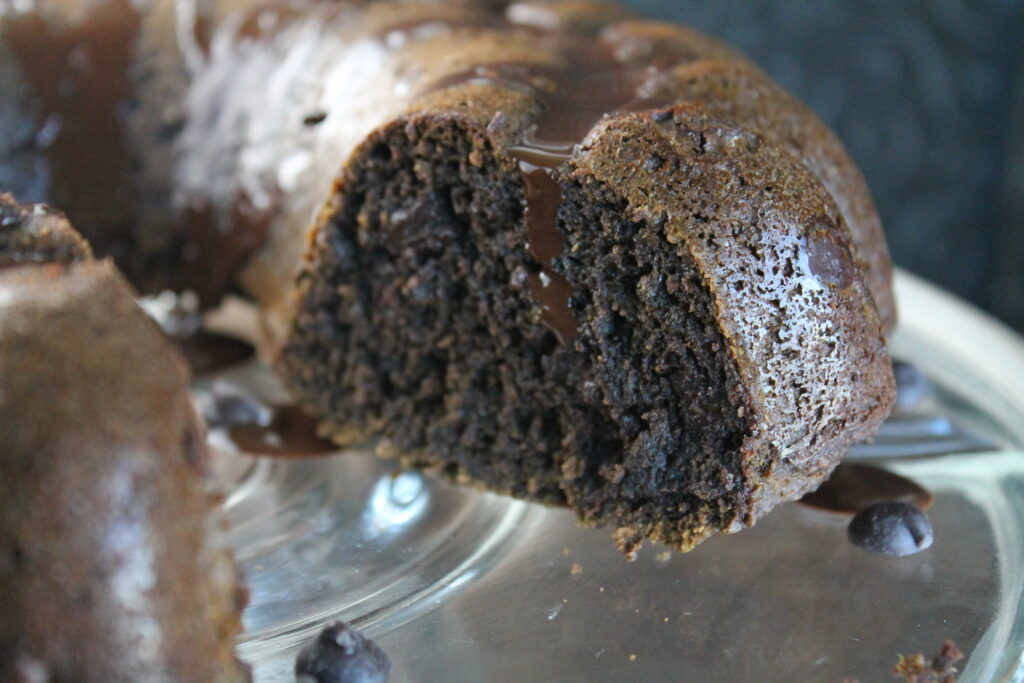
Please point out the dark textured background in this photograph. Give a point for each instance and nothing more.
(928, 96)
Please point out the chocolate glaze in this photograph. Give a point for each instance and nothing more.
(86, 73)
(853, 487)
(547, 287)
(289, 432)
(78, 70)
(599, 77)
(216, 244)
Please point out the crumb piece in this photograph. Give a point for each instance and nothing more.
(565, 552)
(663, 557)
(632, 658)
(911, 667)
(942, 668)
(573, 468)
(628, 541)
(576, 568)
(601, 589)
(387, 450)
(666, 620)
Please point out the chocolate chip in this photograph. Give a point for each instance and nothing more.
(169, 130)
(314, 118)
(342, 655)
(891, 529)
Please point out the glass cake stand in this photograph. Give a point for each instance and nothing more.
(461, 585)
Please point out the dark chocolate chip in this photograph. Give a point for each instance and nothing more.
(169, 130)
(342, 655)
(891, 529)
(314, 118)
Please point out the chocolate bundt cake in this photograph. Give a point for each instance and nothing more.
(112, 565)
(555, 250)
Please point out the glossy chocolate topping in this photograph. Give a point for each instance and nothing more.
(550, 289)
(290, 432)
(78, 69)
(169, 136)
(601, 74)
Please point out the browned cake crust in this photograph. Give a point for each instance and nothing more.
(200, 122)
(112, 564)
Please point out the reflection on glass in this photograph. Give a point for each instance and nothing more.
(396, 500)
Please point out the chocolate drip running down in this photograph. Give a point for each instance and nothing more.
(77, 69)
(599, 78)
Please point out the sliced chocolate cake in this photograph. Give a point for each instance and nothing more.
(573, 274)
(544, 247)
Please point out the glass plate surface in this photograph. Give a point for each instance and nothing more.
(461, 585)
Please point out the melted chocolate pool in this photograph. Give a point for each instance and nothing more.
(289, 432)
(79, 72)
(854, 487)
(207, 351)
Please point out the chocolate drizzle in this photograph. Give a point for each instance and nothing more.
(598, 77)
(544, 242)
(290, 432)
(79, 73)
